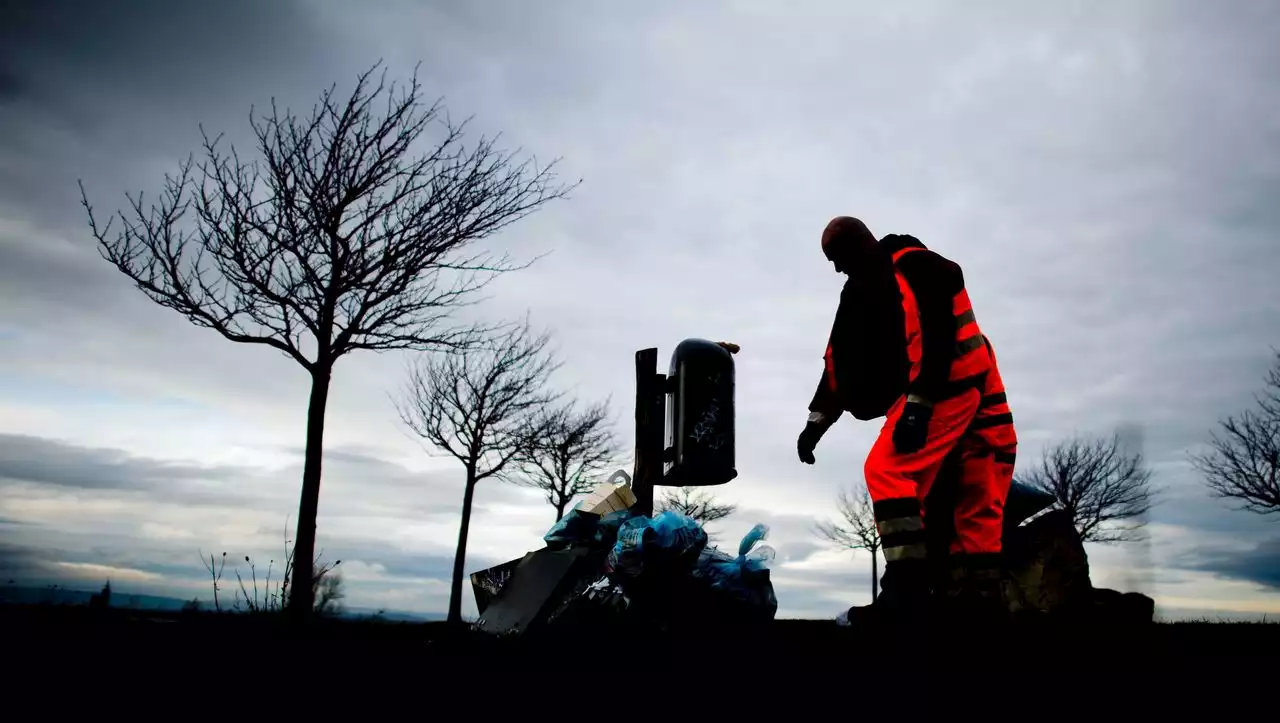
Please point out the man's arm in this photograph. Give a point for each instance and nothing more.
(826, 405)
(934, 281)
(825, 408)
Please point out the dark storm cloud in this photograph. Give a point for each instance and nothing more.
(46, 461)
(1190, 505)
(185, 49)
(1261, 565)
(357, 483)
(20, 563)
(100, 87)
(11, 86)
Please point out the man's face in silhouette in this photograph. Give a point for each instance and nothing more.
(845, 242)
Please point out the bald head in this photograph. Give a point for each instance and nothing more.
(846, 241)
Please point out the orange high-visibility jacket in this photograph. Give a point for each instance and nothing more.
(925, 342)
(945, 346)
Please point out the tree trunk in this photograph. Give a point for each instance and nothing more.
(875, 576)
(301, 591)
(460, 557)
(560, 510)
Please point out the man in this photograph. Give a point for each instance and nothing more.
(906, 345)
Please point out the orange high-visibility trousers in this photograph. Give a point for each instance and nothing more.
(899, 483)
(987, 454)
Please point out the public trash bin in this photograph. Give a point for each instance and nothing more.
(700, 416)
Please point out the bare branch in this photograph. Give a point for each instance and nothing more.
(856, 529)
(698, 504)
(351, 227)
(1243, 461)
(486, 405)
(336, 236)
(564, 461)
(1106, 491)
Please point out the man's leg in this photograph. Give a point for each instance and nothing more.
(940, 518)
(899, 484)
(986, 473)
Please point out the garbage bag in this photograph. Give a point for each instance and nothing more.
(741, 581)
(576, 527)
(598, 601)
(586, 528)
(655, 547)
(606, 532)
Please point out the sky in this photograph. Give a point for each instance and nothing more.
(1105, 173)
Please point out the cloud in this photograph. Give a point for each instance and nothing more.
(1259, 565)
(76, 514)
(91, 571)
(49, 462)
(18, 562)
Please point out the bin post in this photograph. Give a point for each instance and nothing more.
(650, 423)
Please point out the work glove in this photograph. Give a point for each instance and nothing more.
(808, 441)
(912, 429)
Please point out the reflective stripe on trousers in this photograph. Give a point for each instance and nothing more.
(898, 483)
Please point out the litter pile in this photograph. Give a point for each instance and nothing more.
(605, 563)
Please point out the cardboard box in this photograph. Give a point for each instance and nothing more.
(607, 498)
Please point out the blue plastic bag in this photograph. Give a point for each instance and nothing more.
(576, 527)
(743, 579)
(607, 529)
(652, 547)
(586, 528)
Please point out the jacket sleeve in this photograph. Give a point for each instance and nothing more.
(825, 404)
(934, 281)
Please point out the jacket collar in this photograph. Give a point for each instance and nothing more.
(894, 242)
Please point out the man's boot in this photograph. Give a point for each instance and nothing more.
(974, 595)
(904, 598)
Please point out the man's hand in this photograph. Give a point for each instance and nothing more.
(808, 441)
(912, 429)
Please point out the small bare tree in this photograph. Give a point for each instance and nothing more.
(485, 407)
(695, 503)
(856, 530)
(215, 567)
(1106, 490)
(575, 446)
(335, 239)
(1243, 462)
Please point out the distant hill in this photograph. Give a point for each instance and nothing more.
(17, 594)
(23, 595)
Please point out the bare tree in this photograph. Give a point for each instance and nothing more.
(1243, 462)
(856, 530)
(1106, 490)
(335, 239)
(485, 407)
(695, 503)
(575, 446)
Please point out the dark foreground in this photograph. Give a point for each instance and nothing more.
(78, 644)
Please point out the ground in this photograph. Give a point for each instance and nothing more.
(80, 633)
